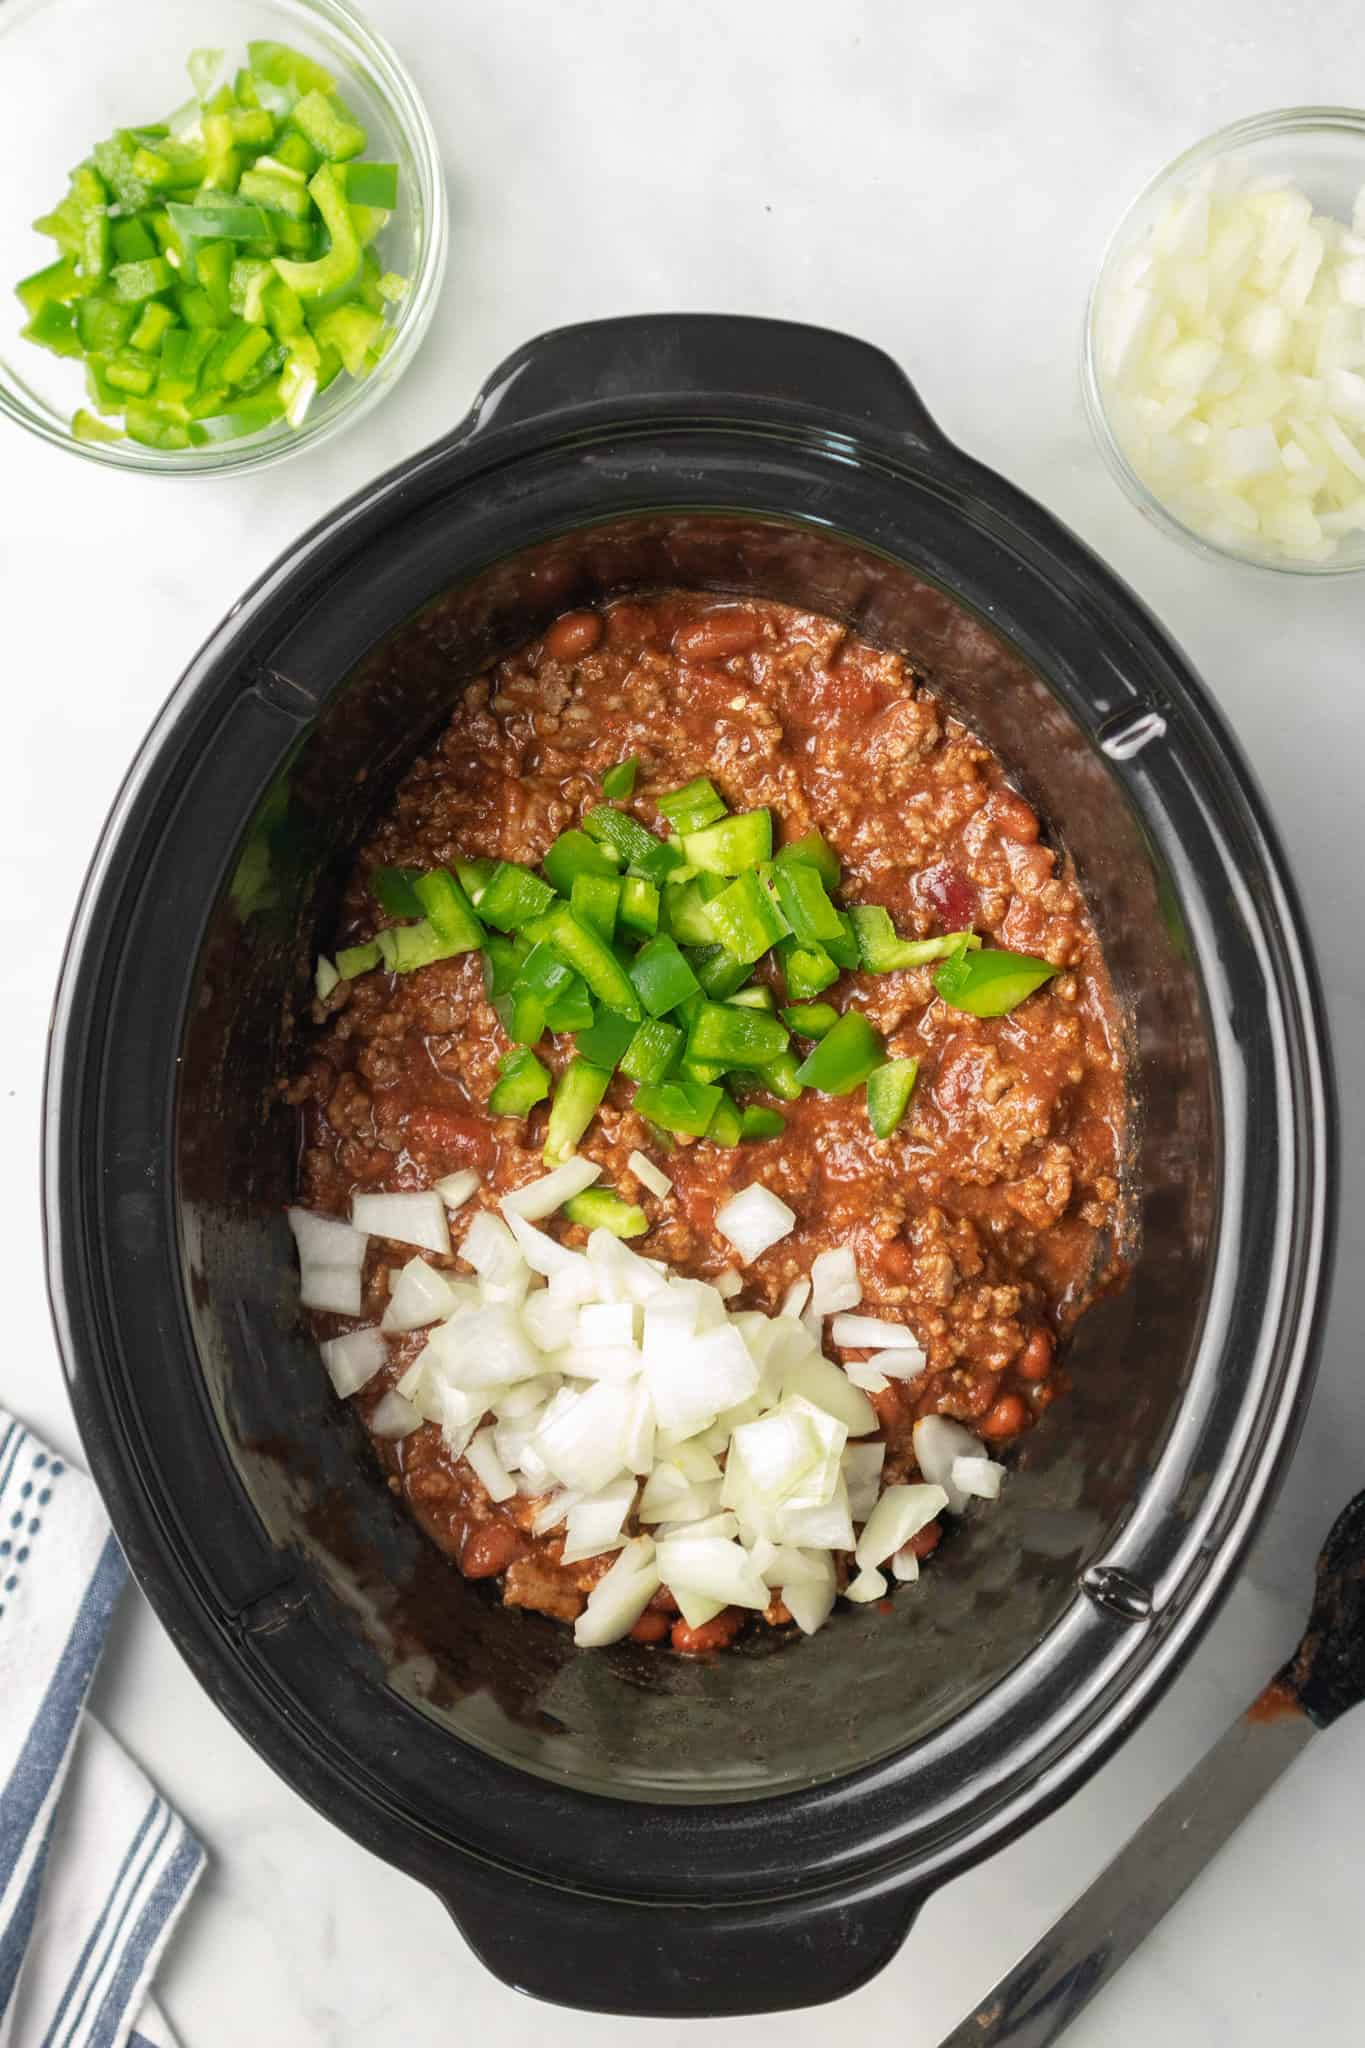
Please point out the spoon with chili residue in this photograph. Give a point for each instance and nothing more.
(1038, 1999)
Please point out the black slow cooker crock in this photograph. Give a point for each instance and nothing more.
(626, 1830)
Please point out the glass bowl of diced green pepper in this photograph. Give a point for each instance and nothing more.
(223, 232)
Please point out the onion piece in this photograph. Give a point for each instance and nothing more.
(862, 1468)
(571, 1277)
(326, 1240)
(554, 1511)
(542, 1197)
(905, 1566)
(609, 1323)
(870, 1333)
(418, 1219)
(482, 1455)
(828, 1527)
(335, 1289)
(796, 1297)
(980, 1477)
(818, 1380)
(724, 1524)
(695, 1608)
(834, 1280)
(596, 1520)
(649, 1175)
(900, 1514)
(456, 1189)
(353, 1360)
(869, 1585)
(728, 1284)
(620, 1597)
(622, 1275)
(864, 1374)
(811, 1602)
(711, 1566)
(394, 1417)
(754, 1220)
(697, 1377)
(903, 1364)
(584, 1444)
(420, 1296)
(938, 1442)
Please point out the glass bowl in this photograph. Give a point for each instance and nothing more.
(1319, 149)
(71, 71)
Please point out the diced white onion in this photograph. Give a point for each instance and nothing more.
(797, 1295)
(394, 1417)
(900, 1514)
(979, 1477)
(696, 1377)
(903, 1364)
(695, 1608)
(418, 1219)
(905, 1566)
(834, 1282)
(862, 1467)
(939, 1442)
(811, 1601)
(482, 1454)
(819, 1380)
(456, 1189)
(754, 1220)
(353, 1360)
(553, 1512)
(491, 1249)
(864, 1374)
(608, 1323)
(868, 1585)
(620, 1597)
(595, 1522)
(486, 1348)
(585, 1444)
(336, 1289)
(709, 1565)
(869, 1333)
(649, 1175)
(724, 1524)
(420, 1296)
(728, 1284)
(542, 1197)
(326, 1240)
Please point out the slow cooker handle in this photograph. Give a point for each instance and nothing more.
(677, 1962)
(706, 362)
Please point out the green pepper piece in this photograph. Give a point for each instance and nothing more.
(813, 850)
(276, 189)
(129, 372)
(214, 215)
(745, 918)
(114, 163)
(56, 284)
(572, 1009)
(652, 1051)
(153, 426)
(596, 900)
(694, 806)
(574, 854)
(728, 1037)
(726, 1126)
(521, 1014)
(802, 900)
(475, 875)
(282, 66)
(805, 969)
(352, 331)
(502, 962)
(757, 1121)
(589, 955)
(354, 960)
(449, 911)
(134, 282)
(213, 268)
(131, 241)
(392, 889)
(327, 125)
(513, 897)
(705, 1071)
(639, 910)
(338, 267)
(889, 1089)
(653, 858)
(196, 310)
(882, 952)
(372, 185)
(731, 845)
(756, 996)
(183, 354)
(619, 782)
(686, 911)
(811, 1020)
(844, 1057)
(600, 1209)
(684, 1108)
(606, 1039)
(781, 1076)
(297, 153)
(406, 947)
(843, 951)
(990, 983)
(581, 1088)
(102, 325)
(544, 973)
(53, 327)
(662, 976)
(85, 427)
(523, 1083)
(251, 126)
(718, 971)
(155, 323)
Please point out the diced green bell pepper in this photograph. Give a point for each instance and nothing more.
(889, 1089)
(373, 185)
(338, 267)
(684, 1108)
(596, 899)
(600, 1209)
(652, 1051)
(544, 973)
(694, 806)
(449, 911)
(393, 891)
(571, 1009)
(502, 961)
(605, 1041)
(521, 1014)
(653, 858)
(581, 1088)
(639, 905)
(718, 972)
(882, 952)
(154, 324)
(53, 327)
(811, 1020)
(803, 902)
(757, 1121)
(134, 282)
(328, 126)
(522, 1083)
(686, 911)
(755, 996)
(474, 877)
(589, 955)
(990, 983)
(731, 845)
(813, 850)
(574, 854)
(56, 284)
(744, 917)
(728, 1037)
(805, 969)
(619, 782)
(354, 960)
(844, 1057)
(513, 897)
(662, 976)
(781, 1076)
(406, 947)
(726, 1126)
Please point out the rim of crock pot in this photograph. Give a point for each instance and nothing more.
(1124, 1667)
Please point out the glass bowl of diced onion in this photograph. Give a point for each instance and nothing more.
(1224, 353)
(74, 71)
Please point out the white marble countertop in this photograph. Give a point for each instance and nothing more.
(938, 179)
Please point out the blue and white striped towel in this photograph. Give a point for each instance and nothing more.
(94, 1865)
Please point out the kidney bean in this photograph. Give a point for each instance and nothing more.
(1013, 816)
(488, 1549)
(717, 636)
(1006, 1418)
(650, 1628)
(712, 1635)
(925, 1541)
(948, 895)
(577, 633)
(1035, 1361)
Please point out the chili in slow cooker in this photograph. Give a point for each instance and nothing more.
(987, 1221)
